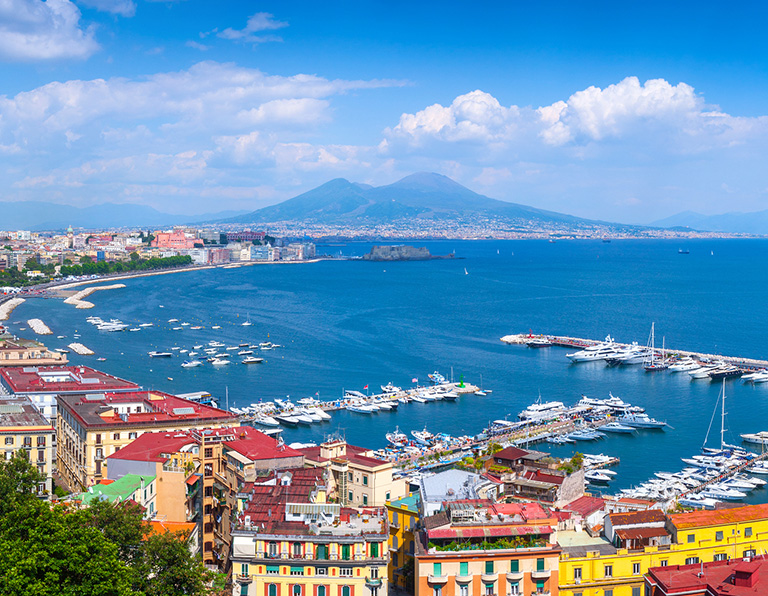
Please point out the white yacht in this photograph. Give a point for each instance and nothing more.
(539, 410)
(601, 351)
(191, 363)
(759, 438)
(219, 362)
(252, 360)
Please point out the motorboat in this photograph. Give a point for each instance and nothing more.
(718, 491)
(397, 438)
(423, 437)
(146, 324)
(287, 419)
(436, 378)
(758, 438)
(390, 388)
(703, 371)
(597, 477)
(245, 352)
(266, 421)
(303, 418)
(684, 365)
(698, 501)
(596, 352)
(191, 363)
(362, 408)
(539, 342)
(641, 421)
(725, 372)
(220, 362)
(160, 354)
(616, 427)
(586, 434)
(542, 410)
(253, 360)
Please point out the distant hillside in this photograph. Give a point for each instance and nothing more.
(423, 196)
(38, 215)
(734, 222)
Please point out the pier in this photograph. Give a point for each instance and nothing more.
(581, 343)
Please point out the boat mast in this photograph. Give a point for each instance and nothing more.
(722, 420)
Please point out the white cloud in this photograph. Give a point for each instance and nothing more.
(32, 30)
(198, 46)
(125, 8)
(261, 21)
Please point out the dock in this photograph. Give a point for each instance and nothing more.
(581, 343)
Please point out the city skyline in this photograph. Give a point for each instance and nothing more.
(606, 114)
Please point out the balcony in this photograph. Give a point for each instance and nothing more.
(437, 579)
(489, 577)
(514, 576)
(544, 593)
(373, 582)
(541, 574)
(463, 579)
(244, 579)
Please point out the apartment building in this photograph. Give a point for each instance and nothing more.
(403, 533)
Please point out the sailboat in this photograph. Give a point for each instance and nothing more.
(654, 362)
(465, 271)
(247, 321)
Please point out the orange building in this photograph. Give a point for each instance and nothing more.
(481, 548)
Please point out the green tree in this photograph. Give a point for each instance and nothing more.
(167, 568)
(18, 481)
(120, 523)
(32, 264)
(86, 259)
(135, 256)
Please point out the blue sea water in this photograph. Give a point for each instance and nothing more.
(347, 324)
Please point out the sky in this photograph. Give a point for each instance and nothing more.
(627, 112)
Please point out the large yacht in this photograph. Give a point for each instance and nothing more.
(599, 351)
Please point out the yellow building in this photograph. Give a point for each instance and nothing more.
(355, 477)
(591, 567)
(403, 522)
(26, 352)
(289, 541)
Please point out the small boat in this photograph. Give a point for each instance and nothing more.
(160, 354)
(253, 360)
(216, 327)
(397, 438)
(219, 362)
(134, 329)
(61, 350)
(539, 342)
(247, 322)
(245, 352)
(597, 477)
(101, 359)
(173, 320)
(185, 324)
(196, 327)
(616, 427)
(286, 419)
(362, 408)
(176, 348)
(177, 328)
(231, 348)
(146, 324)
(758, 438)
(191, 363)
(197, 347)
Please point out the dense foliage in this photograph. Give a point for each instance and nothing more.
(102, 550)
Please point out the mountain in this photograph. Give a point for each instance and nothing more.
(755, 222)
(423, 196)
(38, 215)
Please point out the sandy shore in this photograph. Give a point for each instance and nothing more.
(77, 299)
(6, 308)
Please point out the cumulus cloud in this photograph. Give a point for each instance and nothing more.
(32, 30)
(261, 21)
(124, 8)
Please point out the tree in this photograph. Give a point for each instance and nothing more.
(167, 567)
(32, 264)
(18, 481)
(86, 259)
(135, 256)
(120, 523)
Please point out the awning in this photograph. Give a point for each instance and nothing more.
(488, 532)
(193, 479)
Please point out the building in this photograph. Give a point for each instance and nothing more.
(403, 533)
(91, 427)
(355, 477)
(477, 547)
(26, 352)
(41, 384)
(246, 236)
(737, 577)
(142, 490)
(637, 529)
(454, 485)
(177, 240)
(594, 565)
(290, 541)
(23, 427)
(198, 475)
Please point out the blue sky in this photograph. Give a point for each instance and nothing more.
(600, 109)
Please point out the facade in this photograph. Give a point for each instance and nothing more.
(290, 541)
(22, 427)
(403, 533)
(481, 548)
(177, 239)
(23, 352)
(355, 477)
(92, 427)
(738, 577)
(142, 490)
(696, 538)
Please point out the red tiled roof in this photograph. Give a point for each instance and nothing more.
(149, 446)
(586, 505)
(354, 455)
(717, 578)
(541, 476)
(640, 533)
(717, 517)
(648, 516)
(256, 445)
(25, 379)
(510, 454)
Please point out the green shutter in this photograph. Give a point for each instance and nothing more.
(273, 569)
(489, 566)
(539, 564)
(437, 569)
(297, 570)
(514, 566)
(375, 550)
(464, 568)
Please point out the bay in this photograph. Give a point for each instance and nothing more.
(347, 324)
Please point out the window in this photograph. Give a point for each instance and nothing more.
(750, 553)
(345, 572)
(351, 497)
(395, 518)
(635, 590)
(375, 550)
(271, 589)
(244, 569)
(345, 550)
(296, 590)
(321, 552)
(635, 568)
(394, 559)
(208, 452)
(719, 535)
(607, 592)
(272, 549)
(577, 574)
(321, 571)
(437, 591)
(349, 476)
(514, 588)
(489, 590)
(664, 562)
(41, 441)
(464, 568)
(345, 591)
(98, 439)
(608, 571)
(374, 573)
(463, 590)
(297, 550)
(539, 564)
(489, 566)
(132, 435)
(386, 497)
(539, 586)
(692, 560)
(691, 538)
(27, 441)
(365, 479)
(437, 569)
(273, 570)
(747, 532)
(41, 455)
(116, 437)
(721, 557)
(297, 570)
(514, 566)
(365, 499)
(9, 440)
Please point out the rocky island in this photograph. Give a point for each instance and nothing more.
(402, 253)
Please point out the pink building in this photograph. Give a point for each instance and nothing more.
(176, 239)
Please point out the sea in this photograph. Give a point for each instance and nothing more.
(352, 324)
